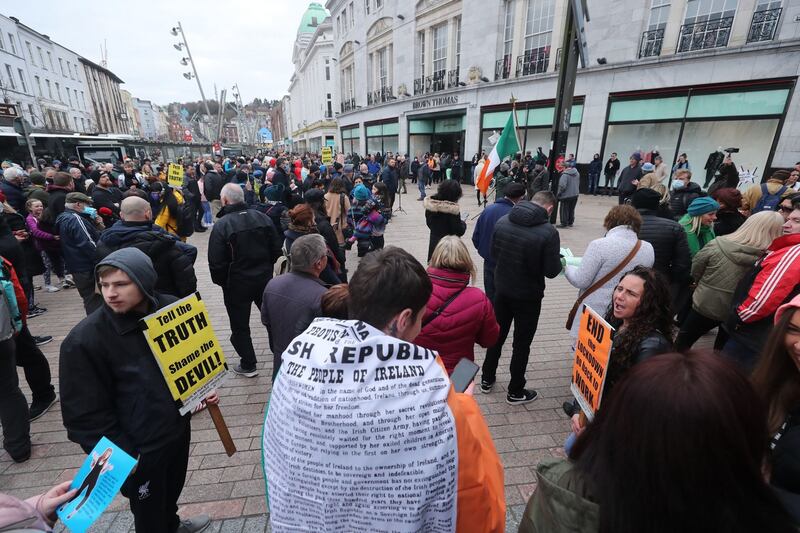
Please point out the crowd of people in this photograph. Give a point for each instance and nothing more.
(711, 439)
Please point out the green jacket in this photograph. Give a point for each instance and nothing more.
(717, 269)
(560, 503)
(696, 241)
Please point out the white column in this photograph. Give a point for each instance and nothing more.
(674, 22)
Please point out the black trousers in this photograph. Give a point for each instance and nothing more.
(13, 406)
(568, 210)
(610, 183)
(84, 282)
(154, 488)
(35, 366)
(198, 214)
(238, 302)
(488, 281)
(695, 326)
(525, 315)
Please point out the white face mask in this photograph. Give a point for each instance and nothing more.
(678, 184)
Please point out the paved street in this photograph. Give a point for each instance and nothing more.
(231, 490)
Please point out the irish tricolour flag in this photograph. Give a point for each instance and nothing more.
(507, 146)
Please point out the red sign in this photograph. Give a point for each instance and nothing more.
(217, 147)
(560, 163)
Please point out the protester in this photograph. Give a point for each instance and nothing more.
(674, 427)
(290, 298)
(774, 281)
(568, 191)
(389, 176)
(388, 294)
(48, 246)
(242, 250)
(525, 248)
(79, 228)
(777, 382)
(729, 218)
(170, 203)
(335, 271)
(610, 172)
(606, 260)
(629, 178)
(684, 192)
(337, 204)
(670, 247)
(212, 188)
(766, 196)
(457, 316)
(442, 214)
(111, 386)
(11, 186)
(717, 270)
(595, 166)
(172, 260)
(484, 228)
(698, 223)
(539, 180)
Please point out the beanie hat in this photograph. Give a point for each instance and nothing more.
(314, 196)
(794, 303)
(729, 196)
(645, 199)
(702, 205)
(37, 178)
(648, 167)
(258, 174)
(514, 190)
(637, 156)
(360, 192)
(275, 193)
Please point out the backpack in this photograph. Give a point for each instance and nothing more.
(768, 202)
(12, 294)
(186, 216)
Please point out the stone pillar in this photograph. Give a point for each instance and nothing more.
(672, 31)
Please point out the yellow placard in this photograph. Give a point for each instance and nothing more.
(175, 175)
(592, 353)
(327, 155)
(186, 349)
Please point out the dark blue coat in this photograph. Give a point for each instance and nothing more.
(78, 240)
(482, 234)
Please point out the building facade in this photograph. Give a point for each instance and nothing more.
(673, 76)
(145, 119)
(312, 85)
(106, 100)
(44, 79)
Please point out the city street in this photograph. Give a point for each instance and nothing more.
(231, 490)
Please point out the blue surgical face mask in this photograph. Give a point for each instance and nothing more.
(91, 211)
(678, 184)
(155, 196)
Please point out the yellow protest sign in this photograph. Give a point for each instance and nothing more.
(592, 354)
(175, 175)
(186, 349)
(327, 155)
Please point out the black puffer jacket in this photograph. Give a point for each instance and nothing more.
(443, 218)
(728, 221)
(174, 268)
(212, 185)
(653, 344)
(786, 465)
(525, 247)
(681, 198)
(110, 383)
(669, 244)
(243, 247)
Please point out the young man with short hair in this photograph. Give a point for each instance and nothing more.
(111, 386)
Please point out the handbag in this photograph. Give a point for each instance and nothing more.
(433, 316)
(602, 281)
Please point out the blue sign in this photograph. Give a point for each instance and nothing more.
(265, 135)
(97, 482)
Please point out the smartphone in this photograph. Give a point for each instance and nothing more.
(463, 374)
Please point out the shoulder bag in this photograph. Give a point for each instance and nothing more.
(602, 281)
(433, 316)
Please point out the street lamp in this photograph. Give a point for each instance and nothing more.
(188, 60)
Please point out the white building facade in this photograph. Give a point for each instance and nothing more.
(312, 86)
(145, 118)
(673, 76)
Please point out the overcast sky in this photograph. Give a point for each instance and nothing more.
(248, 42)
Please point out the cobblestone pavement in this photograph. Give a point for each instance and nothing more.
(231, 490)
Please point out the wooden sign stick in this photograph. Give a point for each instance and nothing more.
(222, 429)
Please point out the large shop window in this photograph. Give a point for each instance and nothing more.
(698, 125)
(435, 135)
(350, 140)
(534, 127)
(383, 138)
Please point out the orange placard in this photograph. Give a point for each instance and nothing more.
(592, 352)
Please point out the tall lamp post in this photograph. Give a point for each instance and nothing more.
(188, 61)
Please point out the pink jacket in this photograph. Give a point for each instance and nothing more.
(469, 319)
(18, 515)
(41, 239)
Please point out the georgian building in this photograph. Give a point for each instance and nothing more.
(106, 100)
(673, 76)
(311, 88)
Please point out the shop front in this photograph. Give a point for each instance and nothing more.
(382, 136)
(351, 139)
(703, 123)
(437, 134)
(534, 125)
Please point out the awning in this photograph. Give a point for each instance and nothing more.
(8, 131)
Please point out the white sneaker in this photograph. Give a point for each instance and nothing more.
(51, 288)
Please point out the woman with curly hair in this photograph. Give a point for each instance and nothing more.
(640, 315)
(777, 381)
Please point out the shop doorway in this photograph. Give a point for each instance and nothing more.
(447, 143)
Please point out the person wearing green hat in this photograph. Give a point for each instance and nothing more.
(698, 222)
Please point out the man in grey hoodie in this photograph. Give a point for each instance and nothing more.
(568, 190)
